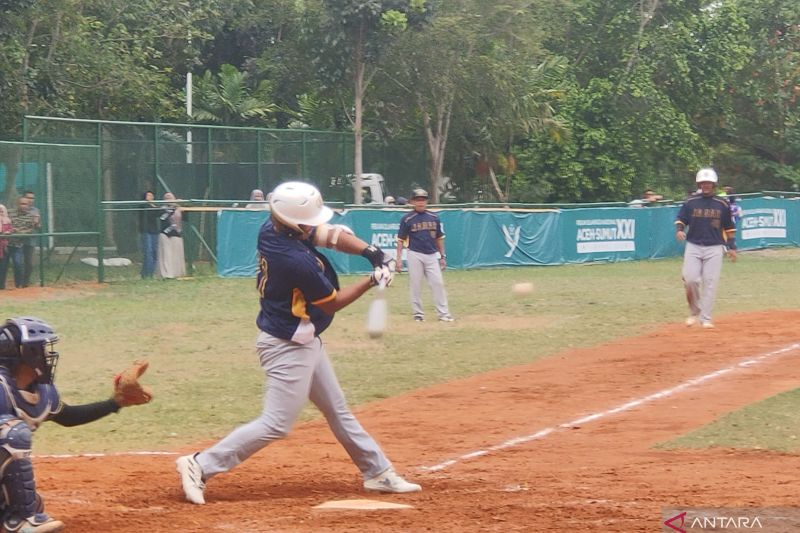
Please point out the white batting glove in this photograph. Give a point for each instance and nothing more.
(381, 276)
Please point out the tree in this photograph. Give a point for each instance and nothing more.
(471, 66)
(355, 36)
(227, 99)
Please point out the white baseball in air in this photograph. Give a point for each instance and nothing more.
(522, 289)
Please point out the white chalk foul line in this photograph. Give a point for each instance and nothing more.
(116, 454)
(615, 410)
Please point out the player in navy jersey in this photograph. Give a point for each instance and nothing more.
(711, 232)
(421, 232)
(299, 294)
(28, 398)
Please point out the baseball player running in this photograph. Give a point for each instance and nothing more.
(299, 293)
(421, 231)
(711, 232)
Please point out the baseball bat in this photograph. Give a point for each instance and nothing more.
(378, 312)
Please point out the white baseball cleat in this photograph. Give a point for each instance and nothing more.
(390, 481)
(707, 324)
(692, 320)
(191, 478)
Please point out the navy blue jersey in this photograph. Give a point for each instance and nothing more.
(33, 407)
(709, 221)
(292, 277)
(420, 231)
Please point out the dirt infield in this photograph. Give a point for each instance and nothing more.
(601, 475)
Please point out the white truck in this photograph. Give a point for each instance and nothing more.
(373, 190)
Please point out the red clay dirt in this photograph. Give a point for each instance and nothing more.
(602, 476)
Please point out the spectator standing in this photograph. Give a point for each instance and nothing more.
(421, 232)
(25, 221)
(149, 229)
(171, 262)
(257, 196)
(5, 249)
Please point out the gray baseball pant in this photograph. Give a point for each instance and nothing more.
(702, 266)
(426, 266)
(295, 373)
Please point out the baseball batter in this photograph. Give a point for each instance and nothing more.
(421, 232)
(711, 232)
(299, 293)
(28, 398)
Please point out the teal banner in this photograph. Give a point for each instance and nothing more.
(769, 222)
(497, 238)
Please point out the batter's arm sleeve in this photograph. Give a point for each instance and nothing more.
(729, 229)
(76, 415)
(684, 217)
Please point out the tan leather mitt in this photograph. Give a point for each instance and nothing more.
(128, 390)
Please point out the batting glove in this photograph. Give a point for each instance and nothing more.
(374, 255)
(381, 276)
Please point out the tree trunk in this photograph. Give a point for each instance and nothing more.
(436, 136)
(500, 195)
(358, 89)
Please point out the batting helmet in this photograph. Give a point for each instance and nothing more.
(29, 341)
(706, 174)
(296, 203)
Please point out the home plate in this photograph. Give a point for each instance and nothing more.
(361, 505)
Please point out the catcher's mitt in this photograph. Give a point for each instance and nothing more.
(128, 390)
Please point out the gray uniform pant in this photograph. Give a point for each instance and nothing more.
(295, 373)
(702, 266)
(426, 266)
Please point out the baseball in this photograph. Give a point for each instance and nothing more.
(522, 289)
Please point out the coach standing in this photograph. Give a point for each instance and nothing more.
(421, 231)
(711, 232)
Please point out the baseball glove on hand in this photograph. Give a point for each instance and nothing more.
(128, 390)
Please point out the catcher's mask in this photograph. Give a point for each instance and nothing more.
(29, 341)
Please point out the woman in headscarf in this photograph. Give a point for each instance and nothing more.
(5, 249)
(257, 196)
(171, 262)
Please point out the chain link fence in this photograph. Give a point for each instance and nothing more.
(209, 165)
(52, 194)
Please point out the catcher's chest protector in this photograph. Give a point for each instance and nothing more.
(33, 408)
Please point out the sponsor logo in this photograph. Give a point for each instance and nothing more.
(606, 235)
(763, 224)
(511, 235)
(384, 235)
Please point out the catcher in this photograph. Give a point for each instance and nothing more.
(28, 398)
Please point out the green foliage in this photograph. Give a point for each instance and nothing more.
(227, 99)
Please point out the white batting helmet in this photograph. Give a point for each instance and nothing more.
(294, 203)
(706, 174)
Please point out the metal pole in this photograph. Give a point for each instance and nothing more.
(258, 159)
(303, 155)
(101, 221)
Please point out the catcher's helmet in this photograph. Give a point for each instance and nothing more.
(296, 203)
(29, 341)
(706, 174)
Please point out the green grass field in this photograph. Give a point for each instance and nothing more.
(198, 335)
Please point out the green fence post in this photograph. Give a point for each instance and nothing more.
(258, 160)
(303, 155)
(156, 179)
(101, 219)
